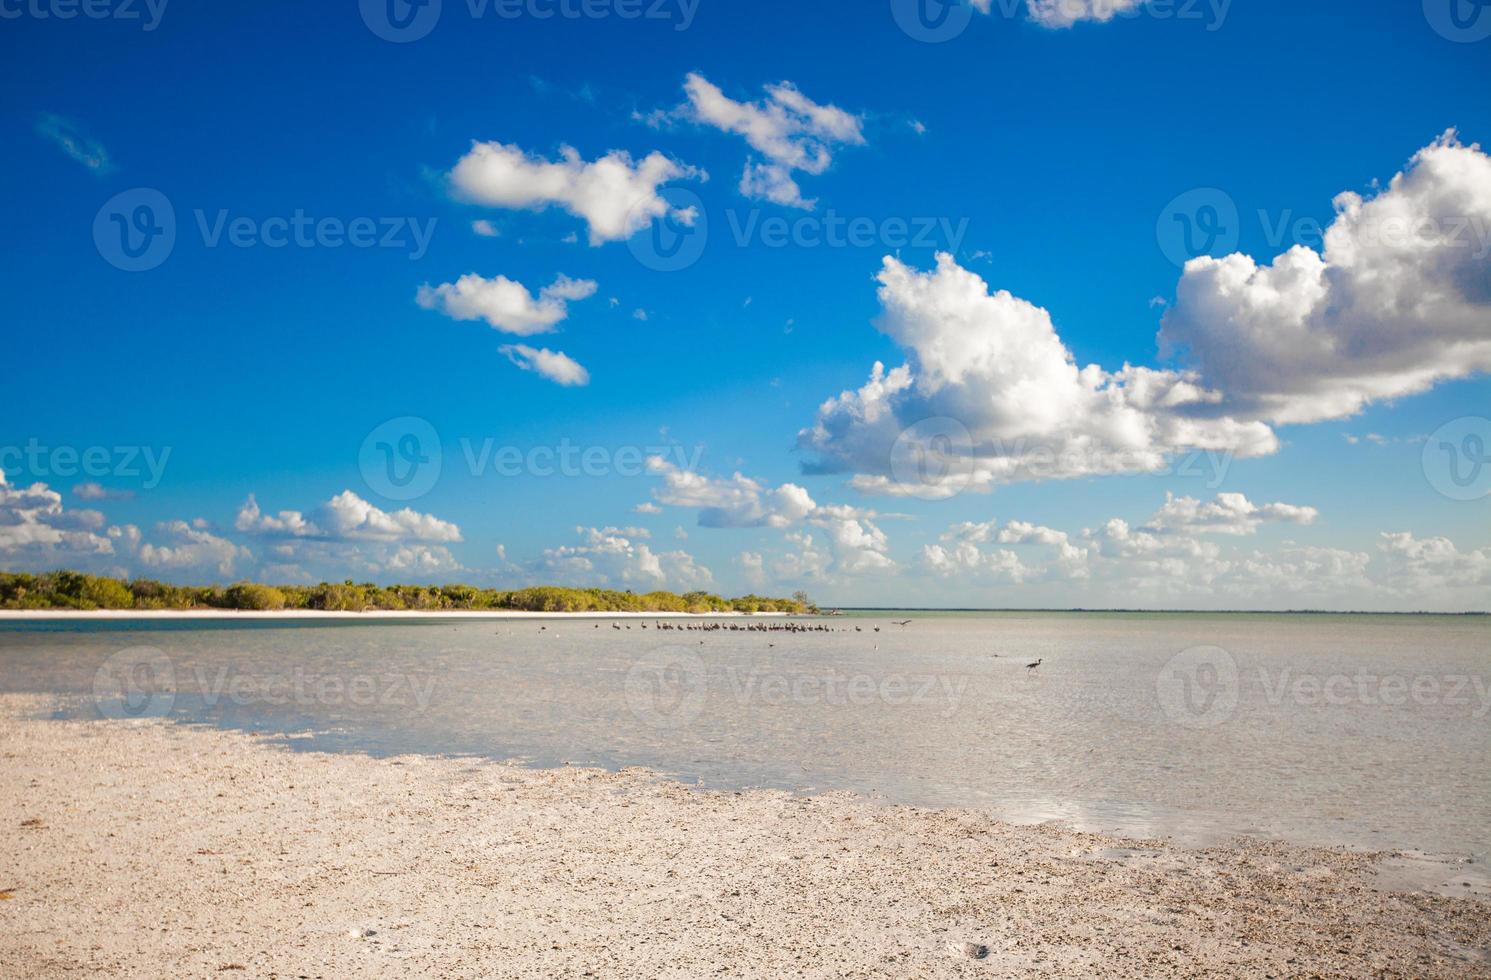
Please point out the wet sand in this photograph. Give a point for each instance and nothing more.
(142, 848)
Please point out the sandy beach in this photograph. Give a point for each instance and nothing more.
(143, 848)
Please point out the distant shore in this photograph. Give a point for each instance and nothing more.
(144, 848)
(314, 614)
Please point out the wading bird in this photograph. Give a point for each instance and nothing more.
(1038, 662)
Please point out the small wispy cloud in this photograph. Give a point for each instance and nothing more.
(75, 143)
(95, 491)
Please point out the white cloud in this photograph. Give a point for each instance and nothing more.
(615, 196)
(557, 366)
(738, 501)
(1057, 14)
(1174, 561)
(1229, 513)
(791, 131)
(346, 517)
(804, 562)
(1433, 565)
(485, 228)
(96, 491)
(417, 560)
(1016, 404)
(858, 545)
(1399, 300)
(36, 531)
(752, 568)
(505, 304)
(77, 145)
(348, 535)
(647, 507)
(193, 546)
(609, 557)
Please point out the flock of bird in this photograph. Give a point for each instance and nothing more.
(790, 626)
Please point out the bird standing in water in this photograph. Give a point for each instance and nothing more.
(1038, 662)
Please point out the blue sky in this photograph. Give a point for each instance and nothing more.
(1046, 148)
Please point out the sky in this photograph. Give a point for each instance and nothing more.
(1007, 303)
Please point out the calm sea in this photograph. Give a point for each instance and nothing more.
(1360, 730)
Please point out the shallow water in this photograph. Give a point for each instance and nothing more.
(1369, 731)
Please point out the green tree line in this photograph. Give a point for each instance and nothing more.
(75, 590)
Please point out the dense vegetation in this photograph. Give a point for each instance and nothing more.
(74, 590)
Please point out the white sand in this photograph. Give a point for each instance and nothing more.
(149, 849)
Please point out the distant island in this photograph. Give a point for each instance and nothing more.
(75, 590)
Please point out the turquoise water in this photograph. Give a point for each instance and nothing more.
(1361, 730)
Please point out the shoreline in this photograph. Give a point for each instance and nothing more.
(147, 848)
(315, 614)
